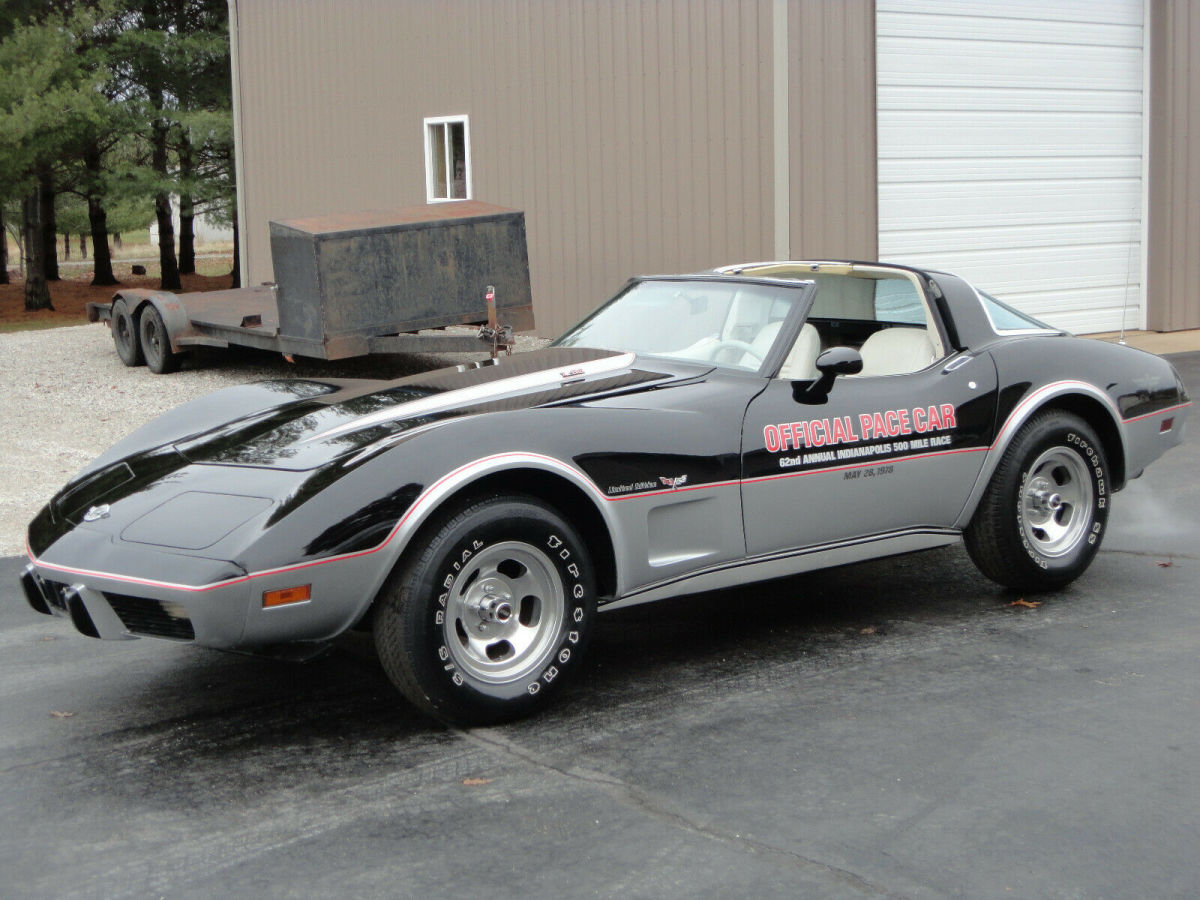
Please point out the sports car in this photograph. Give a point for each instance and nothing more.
(695, 432)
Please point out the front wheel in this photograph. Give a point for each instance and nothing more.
(486, 621)
(1043, 514)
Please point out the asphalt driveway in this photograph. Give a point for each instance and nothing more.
(899, 728)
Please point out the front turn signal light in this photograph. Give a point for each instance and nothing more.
(285, 596)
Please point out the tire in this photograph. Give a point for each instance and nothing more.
(486, 620)
(1043, 515)
(125, 334)
(156, 343)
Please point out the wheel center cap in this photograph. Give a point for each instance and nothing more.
(495, 609)
(1044, 500)
(493, 604)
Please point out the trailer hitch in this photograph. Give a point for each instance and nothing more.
(493, 333)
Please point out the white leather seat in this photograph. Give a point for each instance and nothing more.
(895, 351)
(801, 362)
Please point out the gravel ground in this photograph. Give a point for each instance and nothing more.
(69, 398)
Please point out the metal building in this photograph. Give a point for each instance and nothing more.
(1039, 147)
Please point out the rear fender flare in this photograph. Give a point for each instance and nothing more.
(1030, 405)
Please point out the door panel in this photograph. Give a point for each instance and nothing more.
(879, 454)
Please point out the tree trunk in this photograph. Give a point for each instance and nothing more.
(237, 256)
(102, 270)
(83, 246)
(3, 249)
(187, 212)
(66, 248)
(49, 224)
(187, 236)
(162, 212)
(37, 294)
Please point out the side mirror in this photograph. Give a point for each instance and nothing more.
(839, 361)
(831, 363)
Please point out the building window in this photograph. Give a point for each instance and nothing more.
(447, 159)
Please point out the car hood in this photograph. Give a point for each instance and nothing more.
(355, 418)
(225, 458)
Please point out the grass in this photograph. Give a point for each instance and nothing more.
(36, 325)
(134, 245)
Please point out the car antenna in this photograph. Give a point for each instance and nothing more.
(1128, 277)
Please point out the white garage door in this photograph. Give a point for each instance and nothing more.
(1010, 150)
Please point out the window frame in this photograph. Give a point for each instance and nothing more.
(444, 122)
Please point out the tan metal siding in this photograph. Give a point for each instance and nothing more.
(1173, 271)
(635, 135)
(832, 124)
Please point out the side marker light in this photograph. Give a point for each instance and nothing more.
(1167, 425)
(287, 595)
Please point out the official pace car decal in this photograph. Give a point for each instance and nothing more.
(844, 440)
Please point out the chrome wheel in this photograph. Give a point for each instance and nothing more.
(1057, 501)
(505, 613)
(1042, 518)
(492, 617)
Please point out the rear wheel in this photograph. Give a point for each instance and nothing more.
(125, 334)
(489, 619)
(156, 343)
(1043, 515)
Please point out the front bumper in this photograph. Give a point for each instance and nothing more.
(228, 612)
(112, 612)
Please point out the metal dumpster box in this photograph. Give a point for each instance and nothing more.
(346, 277)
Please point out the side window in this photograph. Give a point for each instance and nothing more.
(447, 159)
(896, 300)
(885, 316)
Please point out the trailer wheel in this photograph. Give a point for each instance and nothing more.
(125, 334)
(156, 343)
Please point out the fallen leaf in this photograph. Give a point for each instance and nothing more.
(1028, 604)
(48, 637)
(1164, 564)
(870, 629)
(475, 782)
(60, 714)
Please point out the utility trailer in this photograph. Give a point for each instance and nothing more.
(348, 285)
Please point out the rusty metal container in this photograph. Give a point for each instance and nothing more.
(346, 278)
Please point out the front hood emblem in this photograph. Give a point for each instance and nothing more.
(96, 513)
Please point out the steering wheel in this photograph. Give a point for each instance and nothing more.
(731, 344)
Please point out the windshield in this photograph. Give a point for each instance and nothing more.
(721, 322)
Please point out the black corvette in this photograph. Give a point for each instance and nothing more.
(695, 432)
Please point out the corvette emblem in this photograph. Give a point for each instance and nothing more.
(677, 481)
(96, 513)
